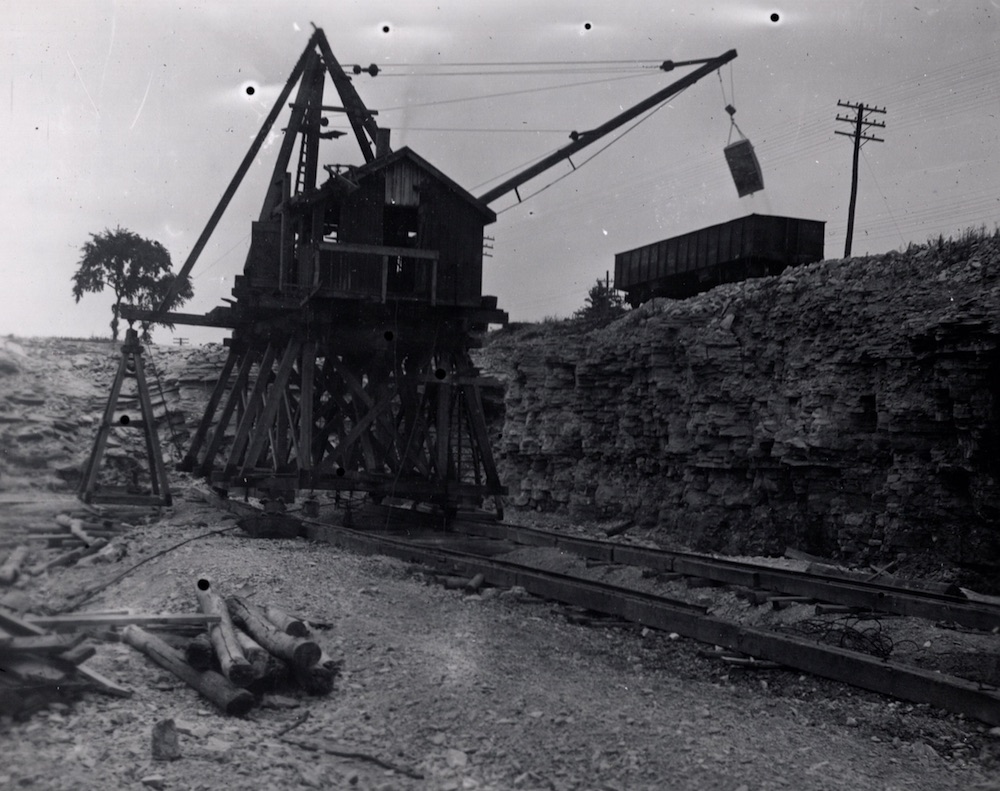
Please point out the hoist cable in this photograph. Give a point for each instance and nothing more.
(598, 151)
(506, 93)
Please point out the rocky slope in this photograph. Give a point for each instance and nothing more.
(847, 408)
(53, 392)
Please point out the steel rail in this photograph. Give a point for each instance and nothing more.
(871, 595)
(861, 670)
(839, 664)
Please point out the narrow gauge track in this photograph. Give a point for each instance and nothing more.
(670, 615)
(863, 594)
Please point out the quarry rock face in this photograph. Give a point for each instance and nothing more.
(847, 408)
(54, 391)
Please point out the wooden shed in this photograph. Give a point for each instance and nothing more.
(394, 229)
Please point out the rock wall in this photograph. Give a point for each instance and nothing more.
(53, 393)
(847, 408)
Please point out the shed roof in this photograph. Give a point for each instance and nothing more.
(383, 163)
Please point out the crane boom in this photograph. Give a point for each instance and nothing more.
(584, 139)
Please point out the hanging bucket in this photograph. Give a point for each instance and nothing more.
(744, 166)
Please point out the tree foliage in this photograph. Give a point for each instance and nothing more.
(603, 305)
(137, 271)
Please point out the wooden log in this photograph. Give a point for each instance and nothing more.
(102, 683)
(11, 568)
(216, 687)
(199, 653)
(93, 528)
(65, 541)
(285, 622)
(619, 528)
(77, 529)
(475, 583)
(78, 654)
(267, 668)
(40, 644)
(781, 602)
(299, 651)
(233, 663)
(319, 679)
(69, 558)
(85, 619)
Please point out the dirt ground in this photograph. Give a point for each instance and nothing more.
(490, 691)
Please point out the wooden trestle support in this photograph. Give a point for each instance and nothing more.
(130, 368)
(292, 413)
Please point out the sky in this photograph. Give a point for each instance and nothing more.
(137, 113)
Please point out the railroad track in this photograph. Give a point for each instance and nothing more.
(866, 595)
(479, 541)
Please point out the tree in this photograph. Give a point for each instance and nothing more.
(603, 304)
(137, 270)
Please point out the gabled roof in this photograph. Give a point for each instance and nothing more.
(382, 163)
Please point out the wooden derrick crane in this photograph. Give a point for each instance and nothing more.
(349, 365)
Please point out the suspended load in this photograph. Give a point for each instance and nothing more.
(742, 160)
(744, 166)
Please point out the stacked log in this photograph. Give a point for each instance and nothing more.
(249, 650)
(233, 663)
(216, 687)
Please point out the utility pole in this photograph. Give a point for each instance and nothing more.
(862, 125)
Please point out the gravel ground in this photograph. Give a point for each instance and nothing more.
(491, 691)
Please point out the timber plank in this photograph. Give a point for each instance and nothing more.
(80, 620)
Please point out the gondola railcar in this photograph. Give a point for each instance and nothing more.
(685, 265)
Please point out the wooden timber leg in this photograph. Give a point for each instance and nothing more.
(307, 376)
(270, 409)
(235, 397)
(443, 432)
(101, 440)
(157, 470)
(250, 411)
(131, 358)
(477, 419)
(191, 457)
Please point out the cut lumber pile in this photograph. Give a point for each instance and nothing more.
(79, 538)
(38, 668)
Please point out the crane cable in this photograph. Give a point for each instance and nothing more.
(603, 148)
(730, 105)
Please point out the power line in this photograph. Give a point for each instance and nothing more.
(885, 200)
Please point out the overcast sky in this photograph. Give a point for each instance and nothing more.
(136, 114)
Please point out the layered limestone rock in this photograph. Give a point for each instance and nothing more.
(53, 393)
(849, 408)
